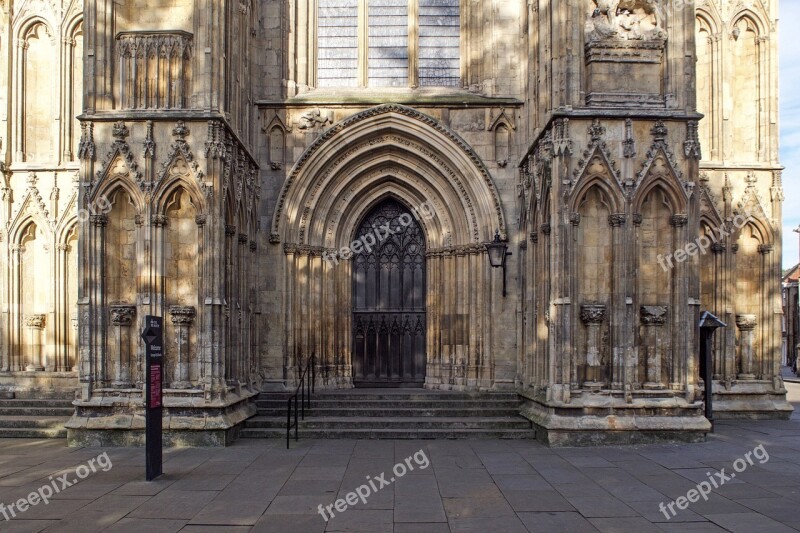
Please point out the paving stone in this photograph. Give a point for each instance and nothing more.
(232, 509)
(521, 482)
(175, 504)
(506, 524)
(748, 523)
(556, 522)
(26, 526)
(486, 506)
(599, 507)
(537, 500)
(624, 525)
(402, 527)
(369, 521)
(137, 525)
(290, 523)
(291, 505)
(417, 500)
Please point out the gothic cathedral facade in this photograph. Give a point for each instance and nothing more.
(287, 181)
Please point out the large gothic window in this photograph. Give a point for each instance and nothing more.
(388, 43)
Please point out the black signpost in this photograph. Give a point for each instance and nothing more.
(153, 336)
(708, 325)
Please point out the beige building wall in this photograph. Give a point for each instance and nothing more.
(213, 168)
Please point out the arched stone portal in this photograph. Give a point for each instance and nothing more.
(389, 151)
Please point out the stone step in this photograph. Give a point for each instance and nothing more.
(425, 434)
(34, 433)
(33, 422)
(395, 414)
(397, 394)
(34, 418)
(396, 411)
(33, 402)
(489, 423)
(38, 411)
(395, 403)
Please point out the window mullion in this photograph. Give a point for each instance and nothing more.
(413, 43)
(363, 43)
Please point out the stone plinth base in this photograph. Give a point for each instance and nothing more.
(117, 418)
(751, 400)
(606, 419)
(39, 384)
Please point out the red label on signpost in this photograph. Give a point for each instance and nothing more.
(155, 385)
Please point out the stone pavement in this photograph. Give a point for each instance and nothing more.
(469, 486)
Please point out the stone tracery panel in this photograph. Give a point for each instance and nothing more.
(38, 63)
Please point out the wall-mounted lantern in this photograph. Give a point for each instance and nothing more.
(498, 250)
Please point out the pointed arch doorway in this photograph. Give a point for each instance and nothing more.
(389, 324)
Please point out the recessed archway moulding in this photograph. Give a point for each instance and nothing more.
(388, 148)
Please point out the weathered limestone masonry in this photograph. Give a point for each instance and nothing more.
(611, 190)
(226, 152)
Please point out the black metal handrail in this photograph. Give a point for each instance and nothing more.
(305, 388)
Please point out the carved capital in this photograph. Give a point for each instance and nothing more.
(546, 229)
(243, 238)
(182, 315)
(35, 321)
(575, 219)
(122, 315)
(653, 315)
(201, 220)
(617, 220)
(593, 313)
(746, 322)
(718, 248)
(230, 230)
(765, 248)
(637, 219)
(158, 220)
(98, 220)
(678, 221)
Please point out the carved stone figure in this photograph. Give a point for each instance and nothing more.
(625, 19)
(315, 119)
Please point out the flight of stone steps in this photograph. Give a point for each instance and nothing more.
(34, 418)
(395, 414)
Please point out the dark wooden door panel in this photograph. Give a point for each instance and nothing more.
(389, 300)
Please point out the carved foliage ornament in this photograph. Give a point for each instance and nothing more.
(593, 313)
(122, 315)
(182, 315)
(653, 315)
(35, 321)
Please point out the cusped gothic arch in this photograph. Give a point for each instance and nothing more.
(388, 146)
(754, 20)
(609, 188)
(167, 188)
(673, 195)
(708, 18)
(108, 188)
